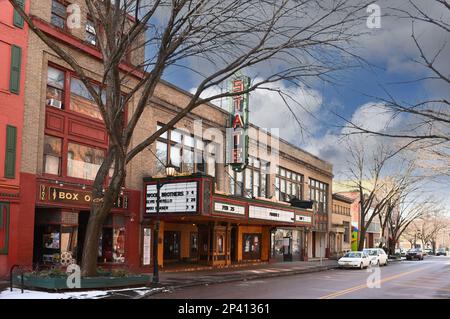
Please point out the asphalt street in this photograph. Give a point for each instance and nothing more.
(429, 278)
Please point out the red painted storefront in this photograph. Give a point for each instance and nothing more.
(13, 56)
(25, 211)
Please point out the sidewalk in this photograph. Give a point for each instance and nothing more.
(174, 280)
(181, 279)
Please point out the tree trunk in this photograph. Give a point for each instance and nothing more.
(362, 235)
(101, 207)
(392, 247)
(91, 242)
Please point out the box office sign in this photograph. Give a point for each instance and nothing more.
(181, 197)
(267, 213)
(220, 207)
(76, 197)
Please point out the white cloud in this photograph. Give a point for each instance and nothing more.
(374, 117)
(393, 44)
(332, 145)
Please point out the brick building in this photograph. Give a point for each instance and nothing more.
(340, 232)
(234, 217)
(373, 235)
(13, 55)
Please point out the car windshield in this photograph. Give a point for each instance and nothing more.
(352, 255)
(371, 252)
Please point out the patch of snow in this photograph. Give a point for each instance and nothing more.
(91, 294)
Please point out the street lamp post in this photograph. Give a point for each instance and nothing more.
(170, 172)
(156, 236)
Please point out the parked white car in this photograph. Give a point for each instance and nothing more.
(377, 256)
(355, 259)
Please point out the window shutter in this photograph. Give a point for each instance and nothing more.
(16, 63)
(18, 20)
(1, 216)
(10, 154)
(4, 228)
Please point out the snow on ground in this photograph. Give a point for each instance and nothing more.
(92, 294)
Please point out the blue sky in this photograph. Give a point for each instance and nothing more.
(390, 52)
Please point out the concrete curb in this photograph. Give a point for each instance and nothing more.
(242, 278)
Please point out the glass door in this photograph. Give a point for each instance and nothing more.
(172, 245)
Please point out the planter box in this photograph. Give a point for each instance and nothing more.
(99, 282)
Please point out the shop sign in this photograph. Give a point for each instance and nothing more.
(266, 213)
(237, 139)
(66, 196)
(174, 198)
(303, 218)
(228, 208)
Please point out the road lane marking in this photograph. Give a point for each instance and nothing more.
(364, 286)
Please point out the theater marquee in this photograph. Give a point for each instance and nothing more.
(181, 197)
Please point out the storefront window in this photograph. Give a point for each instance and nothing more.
(251, 246)
(69, 237)
(194, 245)
(83, 161)
(286, 242)
(52, 155)
(106, 246)
(220, 249)
(51, 242)
(119, 245)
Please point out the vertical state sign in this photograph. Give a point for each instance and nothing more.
(237, 155)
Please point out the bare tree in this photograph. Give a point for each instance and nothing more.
(377, 186)
(306, 39)
(430, 225)
(403, 211)
(428, 119)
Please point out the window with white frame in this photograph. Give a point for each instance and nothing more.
(288, 185)
(252, 182)
(187, 153)
(318, 192)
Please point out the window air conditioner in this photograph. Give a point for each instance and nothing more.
(54, 103)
